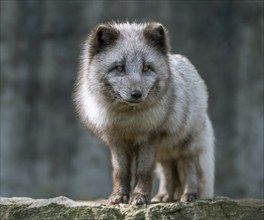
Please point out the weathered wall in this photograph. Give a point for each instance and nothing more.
(46, 152)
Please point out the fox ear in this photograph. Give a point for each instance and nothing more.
(156, 35)
(103, 36)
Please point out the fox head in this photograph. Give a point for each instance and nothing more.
(128, 63)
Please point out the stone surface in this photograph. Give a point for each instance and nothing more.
(64, 208)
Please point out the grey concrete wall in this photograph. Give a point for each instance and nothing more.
(45, 151)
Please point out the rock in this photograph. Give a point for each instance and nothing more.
(64, 208)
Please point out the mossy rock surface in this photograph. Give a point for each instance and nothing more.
(64, 208)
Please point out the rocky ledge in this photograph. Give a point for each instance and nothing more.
(64, 208)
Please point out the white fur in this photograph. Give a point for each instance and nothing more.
(94, 111)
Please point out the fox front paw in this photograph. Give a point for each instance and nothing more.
(117, 198)
(139, 199)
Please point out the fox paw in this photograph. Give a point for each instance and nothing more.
(189, 197)
(117, 198)
(162, 197)
(139, 199)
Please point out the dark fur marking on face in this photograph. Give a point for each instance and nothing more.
(104, 36)
(156, 86)
(156, 36)
(109, 91)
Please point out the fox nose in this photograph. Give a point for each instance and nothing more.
(136, 94)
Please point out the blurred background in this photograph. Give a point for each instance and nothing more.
(46, 152)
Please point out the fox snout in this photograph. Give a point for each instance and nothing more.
(136, 95)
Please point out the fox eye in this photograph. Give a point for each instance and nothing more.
(146, 68)
(120, 68)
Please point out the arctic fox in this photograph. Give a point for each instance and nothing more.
(150, 107)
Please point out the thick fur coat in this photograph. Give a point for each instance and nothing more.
(150, 107)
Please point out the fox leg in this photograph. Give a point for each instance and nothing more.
(167, 172)
(145, 162)
(189, 176)
(121, 162)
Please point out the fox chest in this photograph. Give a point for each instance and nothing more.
(131, 125)
(124, 124)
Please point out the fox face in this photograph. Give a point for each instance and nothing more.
(130, 63)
